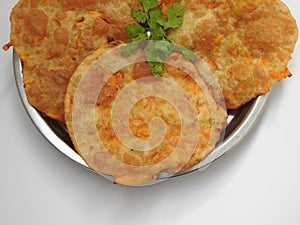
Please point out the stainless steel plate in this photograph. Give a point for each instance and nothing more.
(239, 122)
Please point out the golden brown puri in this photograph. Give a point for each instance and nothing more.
(53, 37)
(246, 43)
(139, 118)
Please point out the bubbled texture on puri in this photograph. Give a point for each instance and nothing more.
(139, 119)
(53, 37)
(247, 43)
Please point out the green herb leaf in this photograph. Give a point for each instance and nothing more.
(154, 16)
(174, 12)
(130, 49)
(139, 16)
(188, 54)
(152, 53)
(158, 69)
(157, 34)
(133, 30)
(152, 20)
(148, 4)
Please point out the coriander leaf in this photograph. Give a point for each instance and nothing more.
(163, 50)
(188, 54)
(152, 55)
(139, 16)
(157, 34)
(174, 12)
(162, 22)
(140, 37)
(129, 49)
(148, 5)
(152, 21)
(134, 30)
(155, 54)
(158, 69)
(154, 16)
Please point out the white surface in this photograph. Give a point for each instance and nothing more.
(258, 183)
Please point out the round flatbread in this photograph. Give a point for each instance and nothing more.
(53, 37)
(246, 43)
(88, 113)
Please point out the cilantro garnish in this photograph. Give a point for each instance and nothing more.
(153, 26)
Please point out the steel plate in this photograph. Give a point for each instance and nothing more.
(239, 123)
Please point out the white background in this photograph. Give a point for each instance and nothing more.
(257, 183)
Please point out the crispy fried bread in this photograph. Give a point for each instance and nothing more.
(53, 37)
(140, 166)
(246, 43)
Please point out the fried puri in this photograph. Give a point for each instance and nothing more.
(140, 166)
(53, 37)
(246, 43)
